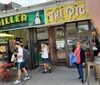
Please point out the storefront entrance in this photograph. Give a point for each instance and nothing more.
(42, 36)
(66, 36)
(61, 40)
(60, 48)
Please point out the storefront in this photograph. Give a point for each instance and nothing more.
(61, 25)
(69, 23)
(18, 25)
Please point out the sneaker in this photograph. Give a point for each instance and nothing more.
(26, 78)
(79, 78)
(82, 81)
(44, 72)
(49, 70)
(17, 81)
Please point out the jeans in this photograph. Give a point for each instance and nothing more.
(80, 71)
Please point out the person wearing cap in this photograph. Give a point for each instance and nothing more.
(45, 57)
(21, 64)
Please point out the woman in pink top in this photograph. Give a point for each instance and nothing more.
(80, 55)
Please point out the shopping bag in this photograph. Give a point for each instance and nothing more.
(72, 58)
(13, 58)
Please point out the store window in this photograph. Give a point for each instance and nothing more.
(42, 34)
(95, 41)
(79, 31)
(71, 35)
(60, 37)
(83, 35)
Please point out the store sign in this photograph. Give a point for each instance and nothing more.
(69, 12)
(22, 20)
(13, 19)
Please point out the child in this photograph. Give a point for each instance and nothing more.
(45, 57)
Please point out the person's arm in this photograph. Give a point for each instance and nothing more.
(19, 57)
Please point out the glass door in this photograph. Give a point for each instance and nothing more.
(85, 38)
(71, 34)
(60, 45)
(83, 35)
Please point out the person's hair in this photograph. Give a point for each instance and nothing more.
(78, 42)
(43, 43)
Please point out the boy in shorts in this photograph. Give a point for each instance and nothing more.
(21, 64)
(45, 58)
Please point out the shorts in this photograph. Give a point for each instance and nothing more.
(21, 65)
(45, 60)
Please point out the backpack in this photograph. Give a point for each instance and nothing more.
(25, 54)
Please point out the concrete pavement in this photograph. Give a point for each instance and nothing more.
(59, 76)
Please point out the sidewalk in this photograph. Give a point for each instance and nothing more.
(59, 76)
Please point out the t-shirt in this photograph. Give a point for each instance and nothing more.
(94, 48)
(77, 54)
(45, 52)
(20, 53)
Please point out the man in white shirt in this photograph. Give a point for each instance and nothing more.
(21, 64)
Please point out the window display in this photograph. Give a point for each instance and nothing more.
(59, 35)
(4, 51)
(4, 47)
